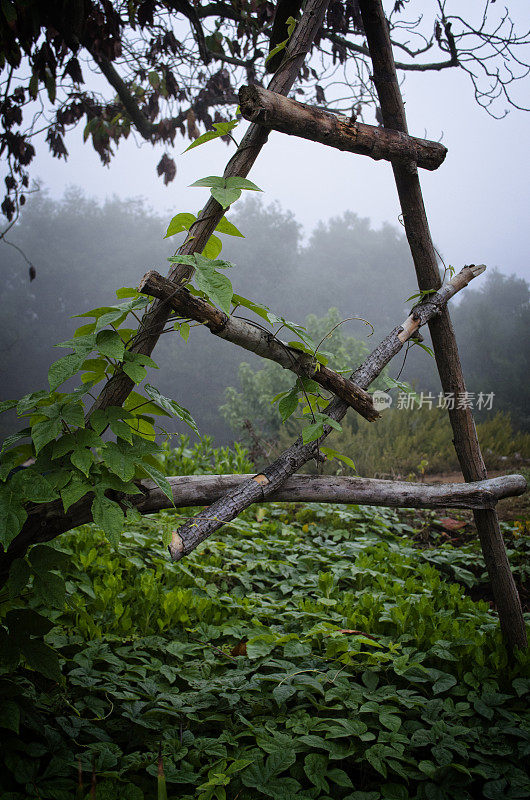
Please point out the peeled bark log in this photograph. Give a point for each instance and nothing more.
(262, 343)
(195, 490)
(261, 486)
(282, 114)
(443, 337)
(46, 521)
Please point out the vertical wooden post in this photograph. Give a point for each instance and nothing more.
(444, 343)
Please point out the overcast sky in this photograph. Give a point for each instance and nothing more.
(477, 201)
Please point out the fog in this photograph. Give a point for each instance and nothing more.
(85, 250)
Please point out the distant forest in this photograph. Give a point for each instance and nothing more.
(83, 251)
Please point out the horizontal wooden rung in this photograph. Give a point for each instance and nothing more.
(198, 490)
(282, 114)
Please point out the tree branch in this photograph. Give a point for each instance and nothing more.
(298, 119)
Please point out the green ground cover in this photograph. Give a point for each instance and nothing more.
(308, 652)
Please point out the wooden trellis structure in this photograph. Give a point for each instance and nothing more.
(270, 109)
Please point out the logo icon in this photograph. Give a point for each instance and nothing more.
(381, 400)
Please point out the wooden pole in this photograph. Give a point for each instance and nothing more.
(335, 130)
(443, 337)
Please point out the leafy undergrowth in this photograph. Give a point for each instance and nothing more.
(307, 653)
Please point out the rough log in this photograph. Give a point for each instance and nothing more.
(200, 490)
(282, 114)
(118, 387)
(257, 340)
(444, 342)
(261, 486)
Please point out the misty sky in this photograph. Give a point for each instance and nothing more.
(477, 201)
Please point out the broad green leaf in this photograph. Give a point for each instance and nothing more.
(213, 247)
(134, 370)
(19, 573)
(41, 658)
(63, 369)
(179, 223)
(126, 291)
(312, 432)
(44, 432)
(74, 491)
(50, 589)
(172, 407)
(217, 287)
(225, 226)
(184, 330)
(6, 405)
(340, 777)
(160, 480)
(241, 183)
(109, 516)
(209, 182)
(33, 486)
(10, 715)
(9, 441)
(29, 401)
(82, 458)
(73, 414)
(43, 558)
(225, 196)
(331, 453)
(119, 460)
(315, 767)
(24, 622)
(110, 344)
(288, 404)
(221, 129)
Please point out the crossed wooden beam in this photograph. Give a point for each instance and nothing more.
(270, 109)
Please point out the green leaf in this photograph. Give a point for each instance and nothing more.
(18, 577)
(209, 182)
(134, 370)
(9, 441)
(225, 197)
(73, 414)
(160, 480)
(50, 589)
(171, 406)
(312, 432)
(44, 432)
(6, 405)
(444, 683)
(33, 486)
(110, 344)
(288, 404)
(63, 369)
(25, 622)
(331, 453)
(241, 183)
(213, 247)
(10, 715)
(339, 777)
(315, 767)
(109, 516)
(74, 491)
(41, 658)
(120, 460)
(225, 226)
(184, 330)
(43, 558)
(221, 129)
(217, 287)
(82, 458)
(181, 222)
(12, 515)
